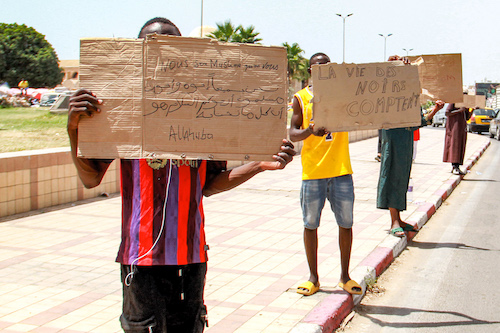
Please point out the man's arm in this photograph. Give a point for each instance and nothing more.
(297, 133)
(84, 104)
(452, 112)
(438, 106)
(229, 179)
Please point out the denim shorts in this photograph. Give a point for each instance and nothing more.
(340, 194)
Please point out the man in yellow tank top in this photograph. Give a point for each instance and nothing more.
(326, 174)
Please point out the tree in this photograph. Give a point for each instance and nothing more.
(25, 53)
(246, 35)
(227, 32)
(297, 64)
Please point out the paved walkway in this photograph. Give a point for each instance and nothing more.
(57, 270)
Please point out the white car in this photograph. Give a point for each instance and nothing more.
(495, 126)
(48, 99)
(439, 118)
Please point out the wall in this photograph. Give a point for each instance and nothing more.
(36, 179)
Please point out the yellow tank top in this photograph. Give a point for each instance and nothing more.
(322, 157)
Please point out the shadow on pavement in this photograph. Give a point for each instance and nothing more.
(479, 180)
(429, 246)
(368, 310)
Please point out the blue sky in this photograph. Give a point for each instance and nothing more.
(426, 26)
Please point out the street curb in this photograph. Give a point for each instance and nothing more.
(329, 314)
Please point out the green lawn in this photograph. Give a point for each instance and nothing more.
(31, 128)
(35, 128)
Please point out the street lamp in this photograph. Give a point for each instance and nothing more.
(385, 44)
(407, 51)
(201, 26)
(343, 22)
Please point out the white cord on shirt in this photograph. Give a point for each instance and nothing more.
(130, 276)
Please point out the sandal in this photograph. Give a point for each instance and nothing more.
(352, 287)
(409, 227)
(307, 288)
(398, 232)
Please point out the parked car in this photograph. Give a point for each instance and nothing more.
(480, 120)
(48, 99)
(439, 118)
(495, 126)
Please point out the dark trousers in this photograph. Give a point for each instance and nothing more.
(164, 299)
(379, 145)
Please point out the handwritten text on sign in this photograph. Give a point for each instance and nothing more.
(181, 96)
(205, 99)
(365, 96)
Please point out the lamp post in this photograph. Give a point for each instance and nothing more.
(343, 23)
(407, 51)
(201, 26)
(385, 44)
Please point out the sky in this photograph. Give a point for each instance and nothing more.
(425, 26)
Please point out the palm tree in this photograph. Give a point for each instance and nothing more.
(247, 35)
(297, 64)
(225, 32)
(302, 73)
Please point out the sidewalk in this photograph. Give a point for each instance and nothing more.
(57, 269)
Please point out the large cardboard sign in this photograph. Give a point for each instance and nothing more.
(473, 101)
(176, 97)
(366, 96)
(440, 77)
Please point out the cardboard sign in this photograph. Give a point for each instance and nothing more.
(472, 101)
(366, 96)
(440, 77)
(177, 97)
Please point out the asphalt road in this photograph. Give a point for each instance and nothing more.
(448, 279)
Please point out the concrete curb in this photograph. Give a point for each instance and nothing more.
(329, 314)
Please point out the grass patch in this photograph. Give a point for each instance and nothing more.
(37, 128)
(31, 128)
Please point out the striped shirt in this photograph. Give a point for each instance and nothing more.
(155, 232)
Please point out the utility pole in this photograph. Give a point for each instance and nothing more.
(201, 26)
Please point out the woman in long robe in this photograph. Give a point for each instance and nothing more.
(455, 137)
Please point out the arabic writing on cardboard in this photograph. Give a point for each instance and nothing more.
(184, 98)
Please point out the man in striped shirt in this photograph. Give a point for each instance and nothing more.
(163, 250)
